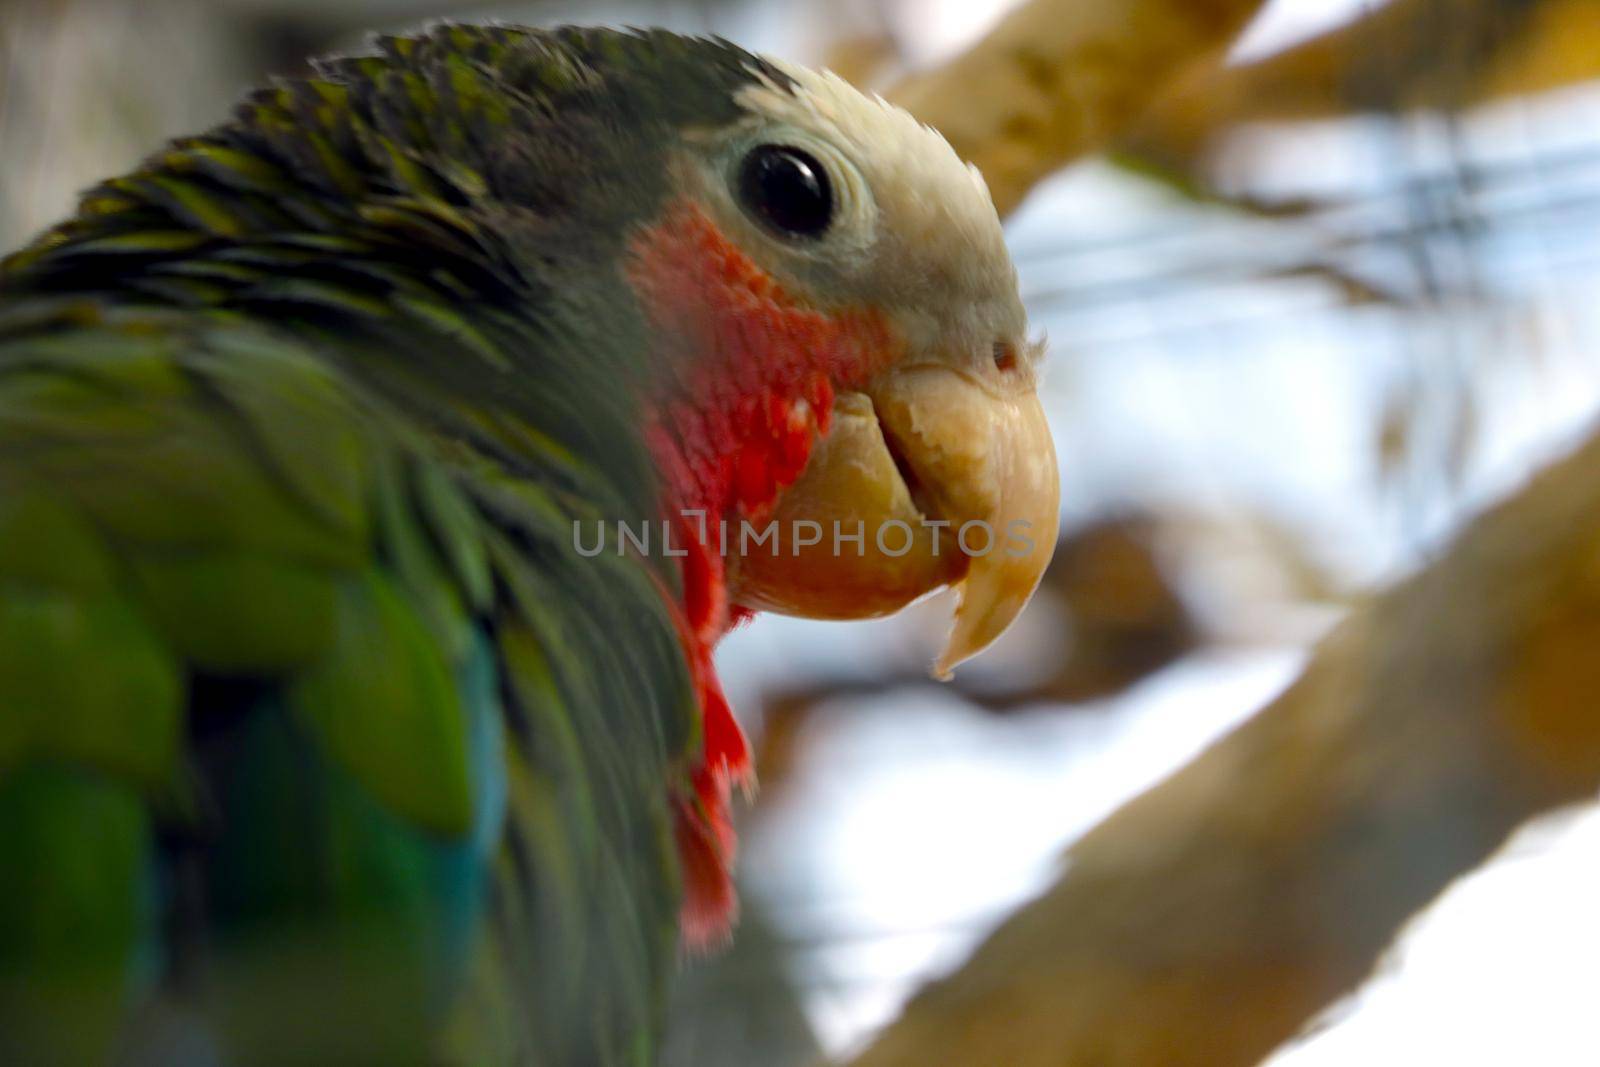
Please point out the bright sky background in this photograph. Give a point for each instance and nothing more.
(935, 29)
(1286, 22)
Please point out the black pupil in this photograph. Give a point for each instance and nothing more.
(787, 189)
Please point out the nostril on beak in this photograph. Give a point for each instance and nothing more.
(1005, 356)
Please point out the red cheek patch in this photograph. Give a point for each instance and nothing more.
(746, 371)
(745, 382)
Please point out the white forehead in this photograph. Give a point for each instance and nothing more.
(940, 236)
(894, 139)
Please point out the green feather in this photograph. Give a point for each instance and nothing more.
(239, 170)
(75, 857)
(383, 703)
(454, 526)
(45, 545)
(81, 678)
(194, 604)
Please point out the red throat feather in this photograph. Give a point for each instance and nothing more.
(747, 376)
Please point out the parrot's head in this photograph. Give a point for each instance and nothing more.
(851, 372)
(842, 407)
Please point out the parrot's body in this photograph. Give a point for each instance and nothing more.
(318, 740)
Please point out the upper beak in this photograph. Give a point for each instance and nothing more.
(947, 479)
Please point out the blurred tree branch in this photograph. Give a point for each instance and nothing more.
(1057, 79)
(1406, 55)
(1210, 918)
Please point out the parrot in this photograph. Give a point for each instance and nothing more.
(324, 735)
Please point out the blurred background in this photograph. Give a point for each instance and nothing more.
(1333, 295)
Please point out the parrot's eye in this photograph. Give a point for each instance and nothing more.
(787, 190)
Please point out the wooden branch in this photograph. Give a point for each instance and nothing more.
(1206, 921)
(1406, 55)
(1059, 78)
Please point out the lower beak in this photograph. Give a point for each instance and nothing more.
(927, 478)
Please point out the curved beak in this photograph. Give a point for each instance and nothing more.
(927, 478)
